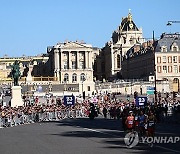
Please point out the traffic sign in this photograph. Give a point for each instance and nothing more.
(69, 100)
(141, 101)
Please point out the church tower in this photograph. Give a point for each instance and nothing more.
(126, 36)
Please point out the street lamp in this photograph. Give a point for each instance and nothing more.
(155, 91)
(131, 86)
(83, 78)
(171, 22)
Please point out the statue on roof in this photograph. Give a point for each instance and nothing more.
(15, 72)
(129, 16)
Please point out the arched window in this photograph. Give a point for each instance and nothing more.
(132, 40)
(176, 80)
(74, 77)
(66, 77)
(174, 48)
(118, 61)
(82, 77)
(163, 49)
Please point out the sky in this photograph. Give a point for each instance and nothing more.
(27, 27)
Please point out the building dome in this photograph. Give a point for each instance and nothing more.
(127, 24)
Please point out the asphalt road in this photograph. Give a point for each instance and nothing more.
(78, 136)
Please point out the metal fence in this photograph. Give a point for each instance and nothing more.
(23, 118)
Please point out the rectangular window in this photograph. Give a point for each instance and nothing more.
(158, 59)
(65, 65)
(170, 69)
(175, 69)
(74, 65)
(164, 59)
(73, 54)
(164, 49)
(65, 55)
(159, 69)
(81, 65)
(164, 69)
(169, 59)
(74, 78)
(89, 89)
(175, 59)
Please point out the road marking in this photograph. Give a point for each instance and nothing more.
(93, 130)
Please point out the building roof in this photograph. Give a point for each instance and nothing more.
(139, 49)
(72, 44)
(167, 40)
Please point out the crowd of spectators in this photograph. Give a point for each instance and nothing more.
(13, 116)
(107, 105)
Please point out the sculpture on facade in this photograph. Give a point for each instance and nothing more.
(15, 72)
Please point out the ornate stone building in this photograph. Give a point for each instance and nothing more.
(138, 63)
(126, 35)
(37, 62)
(72, 63)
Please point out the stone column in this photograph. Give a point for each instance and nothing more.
(90, 57)
(77, 58)
(70, 60)
(86, 59)
(112, 59)
(115, 60)
(61, 61)
(56, 61)
(29, 76)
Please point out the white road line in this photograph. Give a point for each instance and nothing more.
(93, 130)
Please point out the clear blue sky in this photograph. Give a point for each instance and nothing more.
(29, 26)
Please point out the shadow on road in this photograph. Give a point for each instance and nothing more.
(98, 123)
(108, 132)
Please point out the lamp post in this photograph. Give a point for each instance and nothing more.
(131, 86)
(27, 89)
(82, 88)
(172, 22)
(155, 91)
(83, 78)
(65, 86)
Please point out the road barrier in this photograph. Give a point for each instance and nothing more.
(21, 118)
